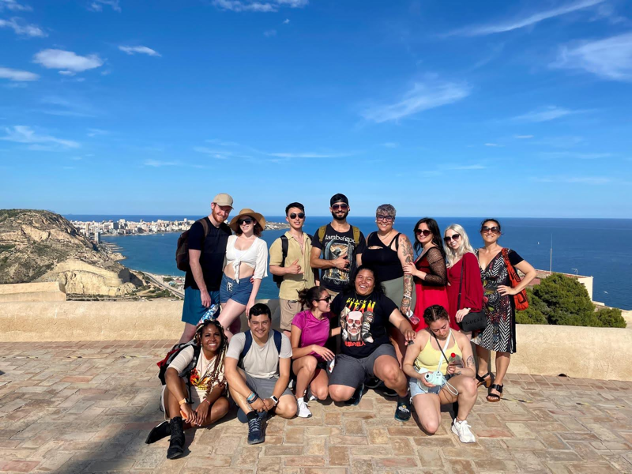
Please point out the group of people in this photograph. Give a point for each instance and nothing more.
(355, 313)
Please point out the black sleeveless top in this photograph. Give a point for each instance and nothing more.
(383, 260)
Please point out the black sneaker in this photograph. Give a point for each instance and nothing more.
(402, 412)
(158, 432)
(255, 430)
(357, 396)
(372, 382)
(388, 392)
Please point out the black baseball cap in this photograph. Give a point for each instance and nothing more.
(338, 198)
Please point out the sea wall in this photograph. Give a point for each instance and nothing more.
(581, 352)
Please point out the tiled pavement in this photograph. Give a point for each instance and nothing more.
(61, 413)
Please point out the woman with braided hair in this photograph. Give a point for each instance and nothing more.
(205, 402)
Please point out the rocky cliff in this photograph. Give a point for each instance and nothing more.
(44, 246)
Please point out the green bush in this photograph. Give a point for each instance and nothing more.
(611, 318)
(535, 313)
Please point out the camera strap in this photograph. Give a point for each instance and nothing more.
(447, 342)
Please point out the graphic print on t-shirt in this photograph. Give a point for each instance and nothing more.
(338, 247)
(355, 320)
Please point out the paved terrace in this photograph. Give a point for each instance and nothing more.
(87, 407)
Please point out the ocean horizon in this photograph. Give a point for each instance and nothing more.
(594, 247)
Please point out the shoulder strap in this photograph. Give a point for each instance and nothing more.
(447, 342)
(396, 240)
(356, 235)
(458, 301)
(284, 247)
(321, 233)
(204, 221)
(247, 345)
(277, 340)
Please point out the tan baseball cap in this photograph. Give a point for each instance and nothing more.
(223, 199)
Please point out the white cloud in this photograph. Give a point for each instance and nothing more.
(97, 5)
(159, 164)
(24, 134)
(269, 33)
(14, 6)
(609, 58)
(309, 155)
(545, 114)
(258, 6)
(64, 107)
(21, 28)
(219, 154)
(523, 137)
(590, 180)
(529, 20)
(17, 75)
(422, 96)
(286, 21)
(493, 145)
(140, 50)
(68, 61)
(97, 132)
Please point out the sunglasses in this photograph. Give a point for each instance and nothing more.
(453, 237)
(326, 298)
(343, 207)
(246, 221)
(294, 215)
(493, 230)
(425, 232)
(381, 217)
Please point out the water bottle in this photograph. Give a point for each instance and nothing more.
(414, 320)
(211, 313)
(455, 360)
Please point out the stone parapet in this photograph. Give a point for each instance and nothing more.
(45, 291)
(582, 352)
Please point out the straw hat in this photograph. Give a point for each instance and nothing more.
(247, 212)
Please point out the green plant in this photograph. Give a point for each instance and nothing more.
(611, 318)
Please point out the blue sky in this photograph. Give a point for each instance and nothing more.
(442, 108)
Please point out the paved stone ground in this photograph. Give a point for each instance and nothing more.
(87, 407)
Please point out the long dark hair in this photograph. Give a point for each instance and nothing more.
(436, 235)
(307, 296)
(350, 288)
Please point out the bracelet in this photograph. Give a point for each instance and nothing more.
(274, 399)
(183, 401)
(205, 400)
(253, 397)
(407, 296)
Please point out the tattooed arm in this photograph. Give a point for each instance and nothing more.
(405, 254)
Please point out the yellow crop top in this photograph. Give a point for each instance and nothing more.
(429, 357)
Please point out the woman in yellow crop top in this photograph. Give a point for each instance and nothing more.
(457, 365)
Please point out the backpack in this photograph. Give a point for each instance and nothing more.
(172, 354)
(278, 279)
(182, 250)
(323, 229)
(277, 342)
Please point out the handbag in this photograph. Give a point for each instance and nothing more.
(520, 299)
(472, 321)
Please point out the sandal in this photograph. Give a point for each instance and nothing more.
(484, 380)
(495, 397)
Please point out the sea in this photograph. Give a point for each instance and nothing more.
(591, 247)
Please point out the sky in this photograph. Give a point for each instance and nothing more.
(441, 108)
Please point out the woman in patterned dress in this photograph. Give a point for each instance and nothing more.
(500, 333)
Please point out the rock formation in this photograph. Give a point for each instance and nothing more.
(44, 246)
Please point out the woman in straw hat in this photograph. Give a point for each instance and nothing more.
(246, 265)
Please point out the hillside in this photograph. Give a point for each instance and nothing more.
(43, 246)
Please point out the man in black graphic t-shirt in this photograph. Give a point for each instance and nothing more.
(337, 247)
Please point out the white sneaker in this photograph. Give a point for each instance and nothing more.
(303, 411)
(310, 396)
(462, 430)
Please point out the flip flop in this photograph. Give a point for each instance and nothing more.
(495, 397)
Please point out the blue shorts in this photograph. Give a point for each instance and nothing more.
(192, 310)
(231, 290)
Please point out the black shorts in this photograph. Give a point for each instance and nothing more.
(351, 372)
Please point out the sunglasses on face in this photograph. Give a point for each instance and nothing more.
(342, 207)
(326, 298)
(425, 232)
(300, 215)
(452, 237)
(381, 217)
(246, 221)
(493, 229)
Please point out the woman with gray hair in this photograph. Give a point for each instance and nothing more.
(387, 252)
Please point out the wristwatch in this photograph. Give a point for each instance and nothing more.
(274, 399)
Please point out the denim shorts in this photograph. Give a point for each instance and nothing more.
(192, 309)
(231, 290)
(418, 388)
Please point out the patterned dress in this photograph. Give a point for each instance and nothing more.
(500, 333)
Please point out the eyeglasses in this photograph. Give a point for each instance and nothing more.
(294, 215)
(493, 230)
(384, 218)
(453, 237)
(425, 232)
(326, 298)
(246, 221)
(342, 207)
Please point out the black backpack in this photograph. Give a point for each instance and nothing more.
(182, 249)
(277, 342)
(278, 279)
(172, 354)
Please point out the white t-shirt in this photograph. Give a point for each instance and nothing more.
(261, 362)
(200, 375)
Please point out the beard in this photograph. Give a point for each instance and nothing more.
(333, 214)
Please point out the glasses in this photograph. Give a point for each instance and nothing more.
(326, 298)
(246, 221)
(300, 215)
(425, 232)
(493, 229)
(342, 207)
(452, 237)
(381, 217)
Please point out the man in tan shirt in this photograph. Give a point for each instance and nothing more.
(295, 270)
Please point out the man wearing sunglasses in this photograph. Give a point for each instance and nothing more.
(290, 265)
(341, 246)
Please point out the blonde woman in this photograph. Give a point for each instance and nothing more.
(462, 264)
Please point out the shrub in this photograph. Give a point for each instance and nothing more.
(535, 313)
(611, 318)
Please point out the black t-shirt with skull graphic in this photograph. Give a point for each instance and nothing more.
(363, 322)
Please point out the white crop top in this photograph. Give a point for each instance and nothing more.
(256, 256)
